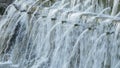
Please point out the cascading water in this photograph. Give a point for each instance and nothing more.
(60, 34)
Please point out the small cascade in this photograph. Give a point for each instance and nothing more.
(60, 34)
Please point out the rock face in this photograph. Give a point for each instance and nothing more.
(6, 1)
(4, 4)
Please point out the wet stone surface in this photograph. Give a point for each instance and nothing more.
(3, 5)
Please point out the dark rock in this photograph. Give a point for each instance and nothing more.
(2, 10)
(6, 1)
(4, 4)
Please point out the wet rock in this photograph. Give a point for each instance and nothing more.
(6, 1)
(2, 10)
(4, 4)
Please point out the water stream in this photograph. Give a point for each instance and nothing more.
(60, 34)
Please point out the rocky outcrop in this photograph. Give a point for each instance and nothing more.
(4, 4)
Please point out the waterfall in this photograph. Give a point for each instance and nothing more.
(60, 34)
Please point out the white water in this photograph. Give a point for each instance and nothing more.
(60, 34)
